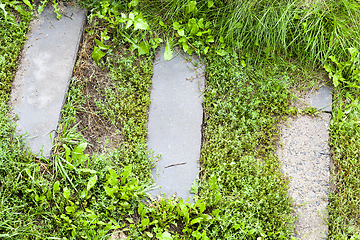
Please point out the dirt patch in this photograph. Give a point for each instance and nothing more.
(99, 132)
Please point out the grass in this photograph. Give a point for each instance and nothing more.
(13, 35)
(71, 196)
(15, 165)
(116, 102)
(310, 32)
(43, 198)
(263, 29)
(243, 108)
(256, 53)
(16, 172)
(344, 201)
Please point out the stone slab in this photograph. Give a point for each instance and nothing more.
(305, 158)
(42, 80)
(321, 99)
(175, 123)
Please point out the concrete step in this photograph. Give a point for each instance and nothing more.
(175, 122)
(41, 83)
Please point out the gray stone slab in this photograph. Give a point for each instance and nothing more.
(321, 99)
(175, 121)
(40, 85)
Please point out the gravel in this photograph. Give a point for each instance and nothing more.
(305, 156)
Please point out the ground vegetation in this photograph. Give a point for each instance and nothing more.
(258, 55)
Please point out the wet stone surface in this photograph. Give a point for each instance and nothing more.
(40, 85)
(305, 157)
(174, 125)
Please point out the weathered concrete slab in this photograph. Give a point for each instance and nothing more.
(175, 123)
(40, 85)
(321, 99)
(305, 157)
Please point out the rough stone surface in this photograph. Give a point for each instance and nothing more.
(321, 99)
(175, 121)
(305, 157)
(118, 235)
(40, 85)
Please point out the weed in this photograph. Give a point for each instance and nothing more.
(242, 108)
(130, 26)
(13, 35)
(345, 73)
(343, 202)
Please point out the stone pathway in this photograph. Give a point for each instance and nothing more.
(175, 121)
(40, 85)
(305, 155)
(175, 118)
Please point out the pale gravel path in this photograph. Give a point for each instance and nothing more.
(305, 155)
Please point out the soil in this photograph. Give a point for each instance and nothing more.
(100, 133)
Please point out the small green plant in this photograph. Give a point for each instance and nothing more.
(56, 10)
(5, 13)
(195, 35)
(158, 217)
(131, 26)
(42, 6)
(75, 158)
(345, 73)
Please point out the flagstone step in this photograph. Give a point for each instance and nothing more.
(175, 122)
(41, 83)
(321, 99)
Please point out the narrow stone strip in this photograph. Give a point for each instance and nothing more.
(305, 155)
(40, 85)
(175, 121)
